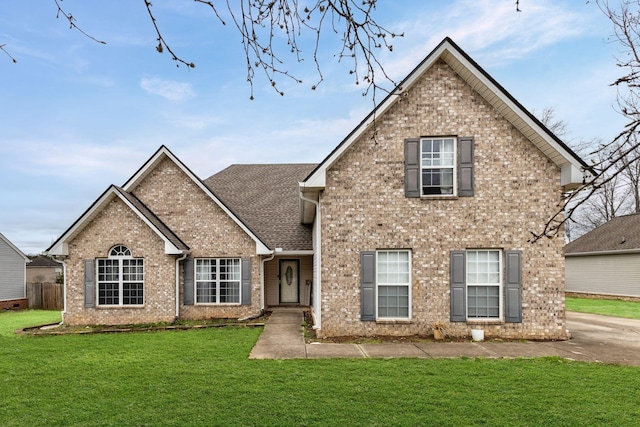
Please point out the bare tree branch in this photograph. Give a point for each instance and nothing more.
(7, 53)
(72, 23)
(162, 44)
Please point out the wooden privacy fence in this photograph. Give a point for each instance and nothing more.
(47, 296)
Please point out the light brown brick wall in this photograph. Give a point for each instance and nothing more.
(116, 224)
(363, 208)
(204, 227)
(193, 216)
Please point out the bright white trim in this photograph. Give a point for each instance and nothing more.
(182, 258)
(15, 248)
(407, 285)
(317, 263)
(453, 167)
(499, 284)
(61, 247)
(595, 253)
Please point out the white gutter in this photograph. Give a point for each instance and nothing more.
(184, 255)
(273, 255)
(64, 287)
(611, 252)
(316, 270)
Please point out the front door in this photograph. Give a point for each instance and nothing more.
(289, 281)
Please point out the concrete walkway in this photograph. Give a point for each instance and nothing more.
(283, 339)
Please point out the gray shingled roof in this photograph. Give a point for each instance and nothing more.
(266, 199)
(42, 261)
(619, 234)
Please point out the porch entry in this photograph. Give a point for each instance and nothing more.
(289, 277)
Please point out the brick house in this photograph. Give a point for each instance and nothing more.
(420, 215)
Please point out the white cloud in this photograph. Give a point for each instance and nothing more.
(491, 32)
(171, 90)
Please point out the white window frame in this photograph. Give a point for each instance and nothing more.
(217, 280)
(480, 283)
(380, 283)
(453, 166)
(118, 255)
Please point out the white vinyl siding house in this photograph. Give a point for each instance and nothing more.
(606, 260)
(13, 271)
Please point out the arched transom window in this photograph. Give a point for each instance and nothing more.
(120, 278)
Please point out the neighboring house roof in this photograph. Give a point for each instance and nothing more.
(173, 244)
(571, 165)
(621, 234)
(14, 247)
(266, 197)
(43, 261)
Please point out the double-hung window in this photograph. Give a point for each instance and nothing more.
(484, 284)
(120, 278)
(218, 280)
(438, 166)
(393, 282)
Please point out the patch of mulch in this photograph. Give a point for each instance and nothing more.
(181, 325)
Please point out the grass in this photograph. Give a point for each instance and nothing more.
(203, 377)
(608, 307)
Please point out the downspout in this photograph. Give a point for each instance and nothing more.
(261, 312)
(182, 258)
(273, 255)
(316, 312)
(64, 287)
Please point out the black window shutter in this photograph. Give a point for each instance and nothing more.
(412, 167)
(187, 265)
(513, 287)
(368, 285)
(465, 166)
(246, 281)
(89, 283)
(458, 286)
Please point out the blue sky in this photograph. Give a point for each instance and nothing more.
(77, 116)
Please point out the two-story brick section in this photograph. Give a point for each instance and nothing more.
(422, 214)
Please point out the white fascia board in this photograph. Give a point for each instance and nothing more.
(509, 103)
(318, 179)
(620, 252)
(261, 248)
(14, 247)
(62, 247)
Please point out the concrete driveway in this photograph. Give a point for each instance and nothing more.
(603, 338)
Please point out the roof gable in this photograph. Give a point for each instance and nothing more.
(173, 244)
(621, 234)
(164, 153)
(14, 247)
(571, 165)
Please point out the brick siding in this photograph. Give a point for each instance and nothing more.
(363, 208)
(193, 216)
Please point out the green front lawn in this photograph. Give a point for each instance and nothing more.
(608, 307)
(203, 377)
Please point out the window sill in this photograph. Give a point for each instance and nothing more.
(395, 321)
(431, 197)
(109, 307)
(485, 321)
(217, 304)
